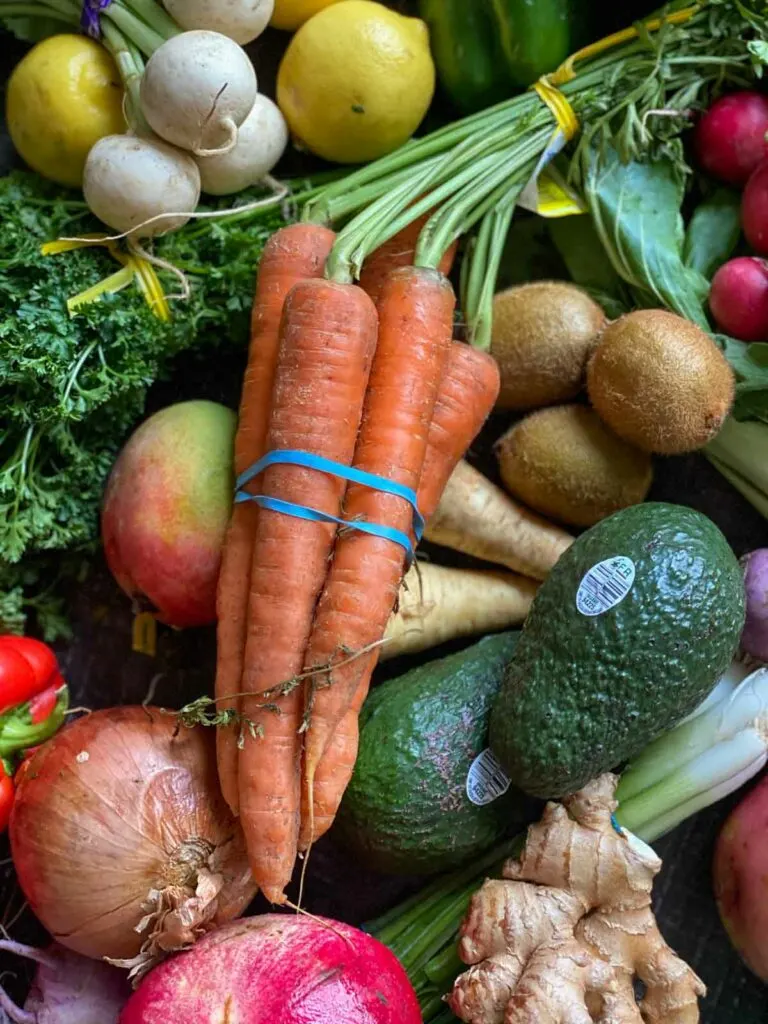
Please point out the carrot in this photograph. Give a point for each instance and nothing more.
(327, 340)
(398, 252)
(415, 330)
(291, 254)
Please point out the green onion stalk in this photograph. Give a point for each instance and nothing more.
(708, 756)
(740, 453)
(469, 175)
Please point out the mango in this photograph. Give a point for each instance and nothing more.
(166, 509)
(741, 878)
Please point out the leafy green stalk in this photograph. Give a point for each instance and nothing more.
(740, 453)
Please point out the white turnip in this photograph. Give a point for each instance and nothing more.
(738, 298)
(437, 604)
(754, 209)
(730, 138)
(196, 91)
(68, 988)
(241, 20)
(278, 969)
(130, 180)
(261, 141)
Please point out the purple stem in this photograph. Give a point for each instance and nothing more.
(29, 953)
(15, 1012)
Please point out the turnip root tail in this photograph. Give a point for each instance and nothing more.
(229, 126)
(477, 518)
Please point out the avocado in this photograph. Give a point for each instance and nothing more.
(406, 810)
(627, 635)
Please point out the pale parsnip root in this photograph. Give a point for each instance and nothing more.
(129, 180)
(562, 938)
(196, 91)
(476, 517)
(241, 20)
(438, 604)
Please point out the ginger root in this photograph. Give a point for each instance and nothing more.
(565, 934)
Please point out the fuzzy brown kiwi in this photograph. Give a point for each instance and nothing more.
(660, 382)
(566, 464)
(543, 333)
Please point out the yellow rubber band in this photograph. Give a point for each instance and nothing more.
(135, 268)
(547, 86)
(562, 111)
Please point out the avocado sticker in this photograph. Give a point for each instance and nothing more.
(605, 585)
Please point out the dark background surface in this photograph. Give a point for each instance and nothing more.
(102, 671)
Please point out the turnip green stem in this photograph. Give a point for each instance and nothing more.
(152, 14)
(146, 39)
(131, 67)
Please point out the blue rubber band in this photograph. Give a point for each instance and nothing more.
(379, 483)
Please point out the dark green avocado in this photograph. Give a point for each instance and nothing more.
(611, 657)
(406, 810)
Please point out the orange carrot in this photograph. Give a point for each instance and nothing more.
(415, 330)
(327, 340)
(468, 392)
(398, 252)
(291, 254)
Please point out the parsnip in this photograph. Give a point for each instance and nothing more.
(439, 604)
(476, 517)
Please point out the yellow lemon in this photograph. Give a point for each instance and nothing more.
(356, 81)
(290, 14)
(63, 96)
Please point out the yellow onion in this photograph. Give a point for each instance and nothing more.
(121, 840)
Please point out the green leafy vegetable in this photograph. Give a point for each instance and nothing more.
(588, 264)
(636, 210)
(713, 232)
(71, 388)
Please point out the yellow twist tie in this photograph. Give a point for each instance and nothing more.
(135, 268)
(547, 86)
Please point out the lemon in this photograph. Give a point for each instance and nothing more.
(63, 96)
(356, 81)
(290, 14)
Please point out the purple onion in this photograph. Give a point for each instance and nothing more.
(754, 639)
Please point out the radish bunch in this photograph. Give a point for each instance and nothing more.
(731, 143)
(198, 122)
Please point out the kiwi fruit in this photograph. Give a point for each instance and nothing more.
(660, 382)
(543, 333)
(566, 464)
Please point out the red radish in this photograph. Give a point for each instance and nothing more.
(740, 872)
(278, 969)
(754, 209)
(738, 298)
(730, 137)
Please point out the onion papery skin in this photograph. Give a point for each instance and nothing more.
(120, 805)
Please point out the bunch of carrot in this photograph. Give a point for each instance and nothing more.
(303, 604)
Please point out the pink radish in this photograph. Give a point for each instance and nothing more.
(738, 298)
(278, 969)
(740, 872)
(754, 209)
(730, 137)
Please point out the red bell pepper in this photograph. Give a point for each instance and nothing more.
(27, 668)
(7, 794)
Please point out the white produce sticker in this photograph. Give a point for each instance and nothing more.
(486, 779)
(605, 585)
